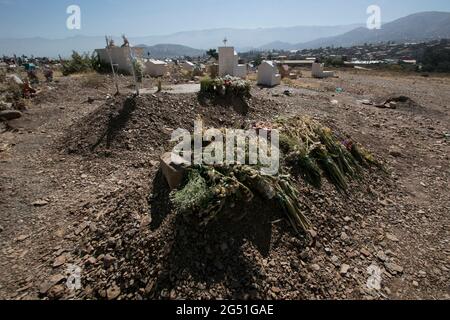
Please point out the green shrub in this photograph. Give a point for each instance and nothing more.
(227, 87)
(79, 63)
(210, 189)
(334, 62)
(194, 196)
(98, 65)
(138, 69)
(309, 148)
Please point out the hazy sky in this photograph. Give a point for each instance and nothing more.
(47, 18)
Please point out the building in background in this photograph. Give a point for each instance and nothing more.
(155, 68)
(268, 74)
(120, 57)
(229, 63)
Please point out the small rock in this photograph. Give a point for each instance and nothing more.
(59, 261)
(22, 238)
(7, 115)
(108, 260)
(313, 234)
(315, 267)
(113, 292)
(395, 152)
(365, 252)
(344, 269)
(56, 292)
(53, 281)
(391, 237)
(335, 260)
(81, 228)
(40, 203)
(149, 287)
(154, 163)
(91, 261)
(393, 268)
(382, 256)
(146, 221)
(57, 279)
(275, 290)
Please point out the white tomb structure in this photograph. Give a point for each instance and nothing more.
(229, 63)
(120, 56)
(317, 71)
(155, 68)
(268, 74)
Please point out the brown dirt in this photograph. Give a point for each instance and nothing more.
(104, 205)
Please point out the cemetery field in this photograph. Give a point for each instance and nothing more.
(81, 189)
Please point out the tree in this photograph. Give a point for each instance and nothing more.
(213, 53)
(258, 60)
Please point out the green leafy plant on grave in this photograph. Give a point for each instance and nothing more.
(225, 87)
(210, 188)
(312, 149)
(306, 146)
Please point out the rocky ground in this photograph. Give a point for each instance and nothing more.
(80, 187)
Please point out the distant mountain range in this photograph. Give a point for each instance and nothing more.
(417, 27)
(242, 39)
(246, 39)
(425, 26)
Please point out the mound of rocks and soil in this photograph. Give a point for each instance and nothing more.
(112, 218)
(146, 123)
(399, 102)
(135, 246)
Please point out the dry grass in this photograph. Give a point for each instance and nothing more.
(12, 91)
(302, 84)
(93, 80)
(2, 76)
(187, 74)
(252, 76)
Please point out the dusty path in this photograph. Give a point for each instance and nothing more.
(42, 192)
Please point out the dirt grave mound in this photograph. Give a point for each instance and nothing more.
(145, 123)
(137, 247)
(399, 102)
